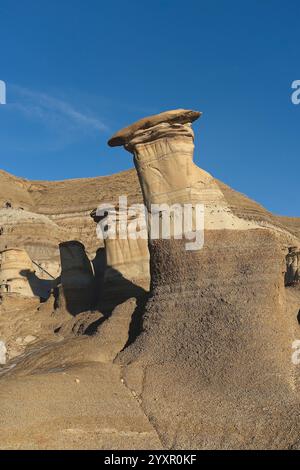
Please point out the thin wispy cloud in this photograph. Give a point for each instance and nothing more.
(54, 112)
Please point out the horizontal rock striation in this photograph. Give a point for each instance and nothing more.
(216, 329)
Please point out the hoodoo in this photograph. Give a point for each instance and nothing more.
(207, 359)
(224, 352)
(163, 148)
(126, 256)
(14, 262)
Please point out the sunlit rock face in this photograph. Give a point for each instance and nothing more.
(126, 247)
(217, 327)
(3, 353)
(210, 366)
(163, 148)
(14, 269)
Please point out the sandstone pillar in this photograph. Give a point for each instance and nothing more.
(14, 269)
(215, 334)
(189, 287)
(126, 256)
(163, 147)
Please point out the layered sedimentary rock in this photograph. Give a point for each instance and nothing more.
(207, 363)
(60, 211)
(126, 247)
(162, 179)
(216, 329)
(126, 274)
(14, 269)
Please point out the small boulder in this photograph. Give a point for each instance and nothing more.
(3, 352)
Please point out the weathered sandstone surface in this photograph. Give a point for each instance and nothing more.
(214, 315)
(144, 344)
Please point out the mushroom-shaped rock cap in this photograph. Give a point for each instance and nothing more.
(176, 116)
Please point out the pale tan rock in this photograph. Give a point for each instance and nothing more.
(3, 353)
(15, 262)
(177, 116)
(216, 329)
(125, 256)
(29, 339)
(163, 148)
(212, 367)
(59, 211)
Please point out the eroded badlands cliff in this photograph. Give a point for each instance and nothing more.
(145, 344)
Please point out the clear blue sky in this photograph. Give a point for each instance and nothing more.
(76, 71)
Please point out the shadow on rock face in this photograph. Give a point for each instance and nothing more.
(77, 278)
(117, 290)
(40, 287)
(99, 267)
(85, 287)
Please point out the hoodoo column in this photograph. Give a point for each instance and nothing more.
(15, 265)
(126, 256)
(163, 147)
(216, 333)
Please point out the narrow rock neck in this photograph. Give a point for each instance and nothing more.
(163, 157)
